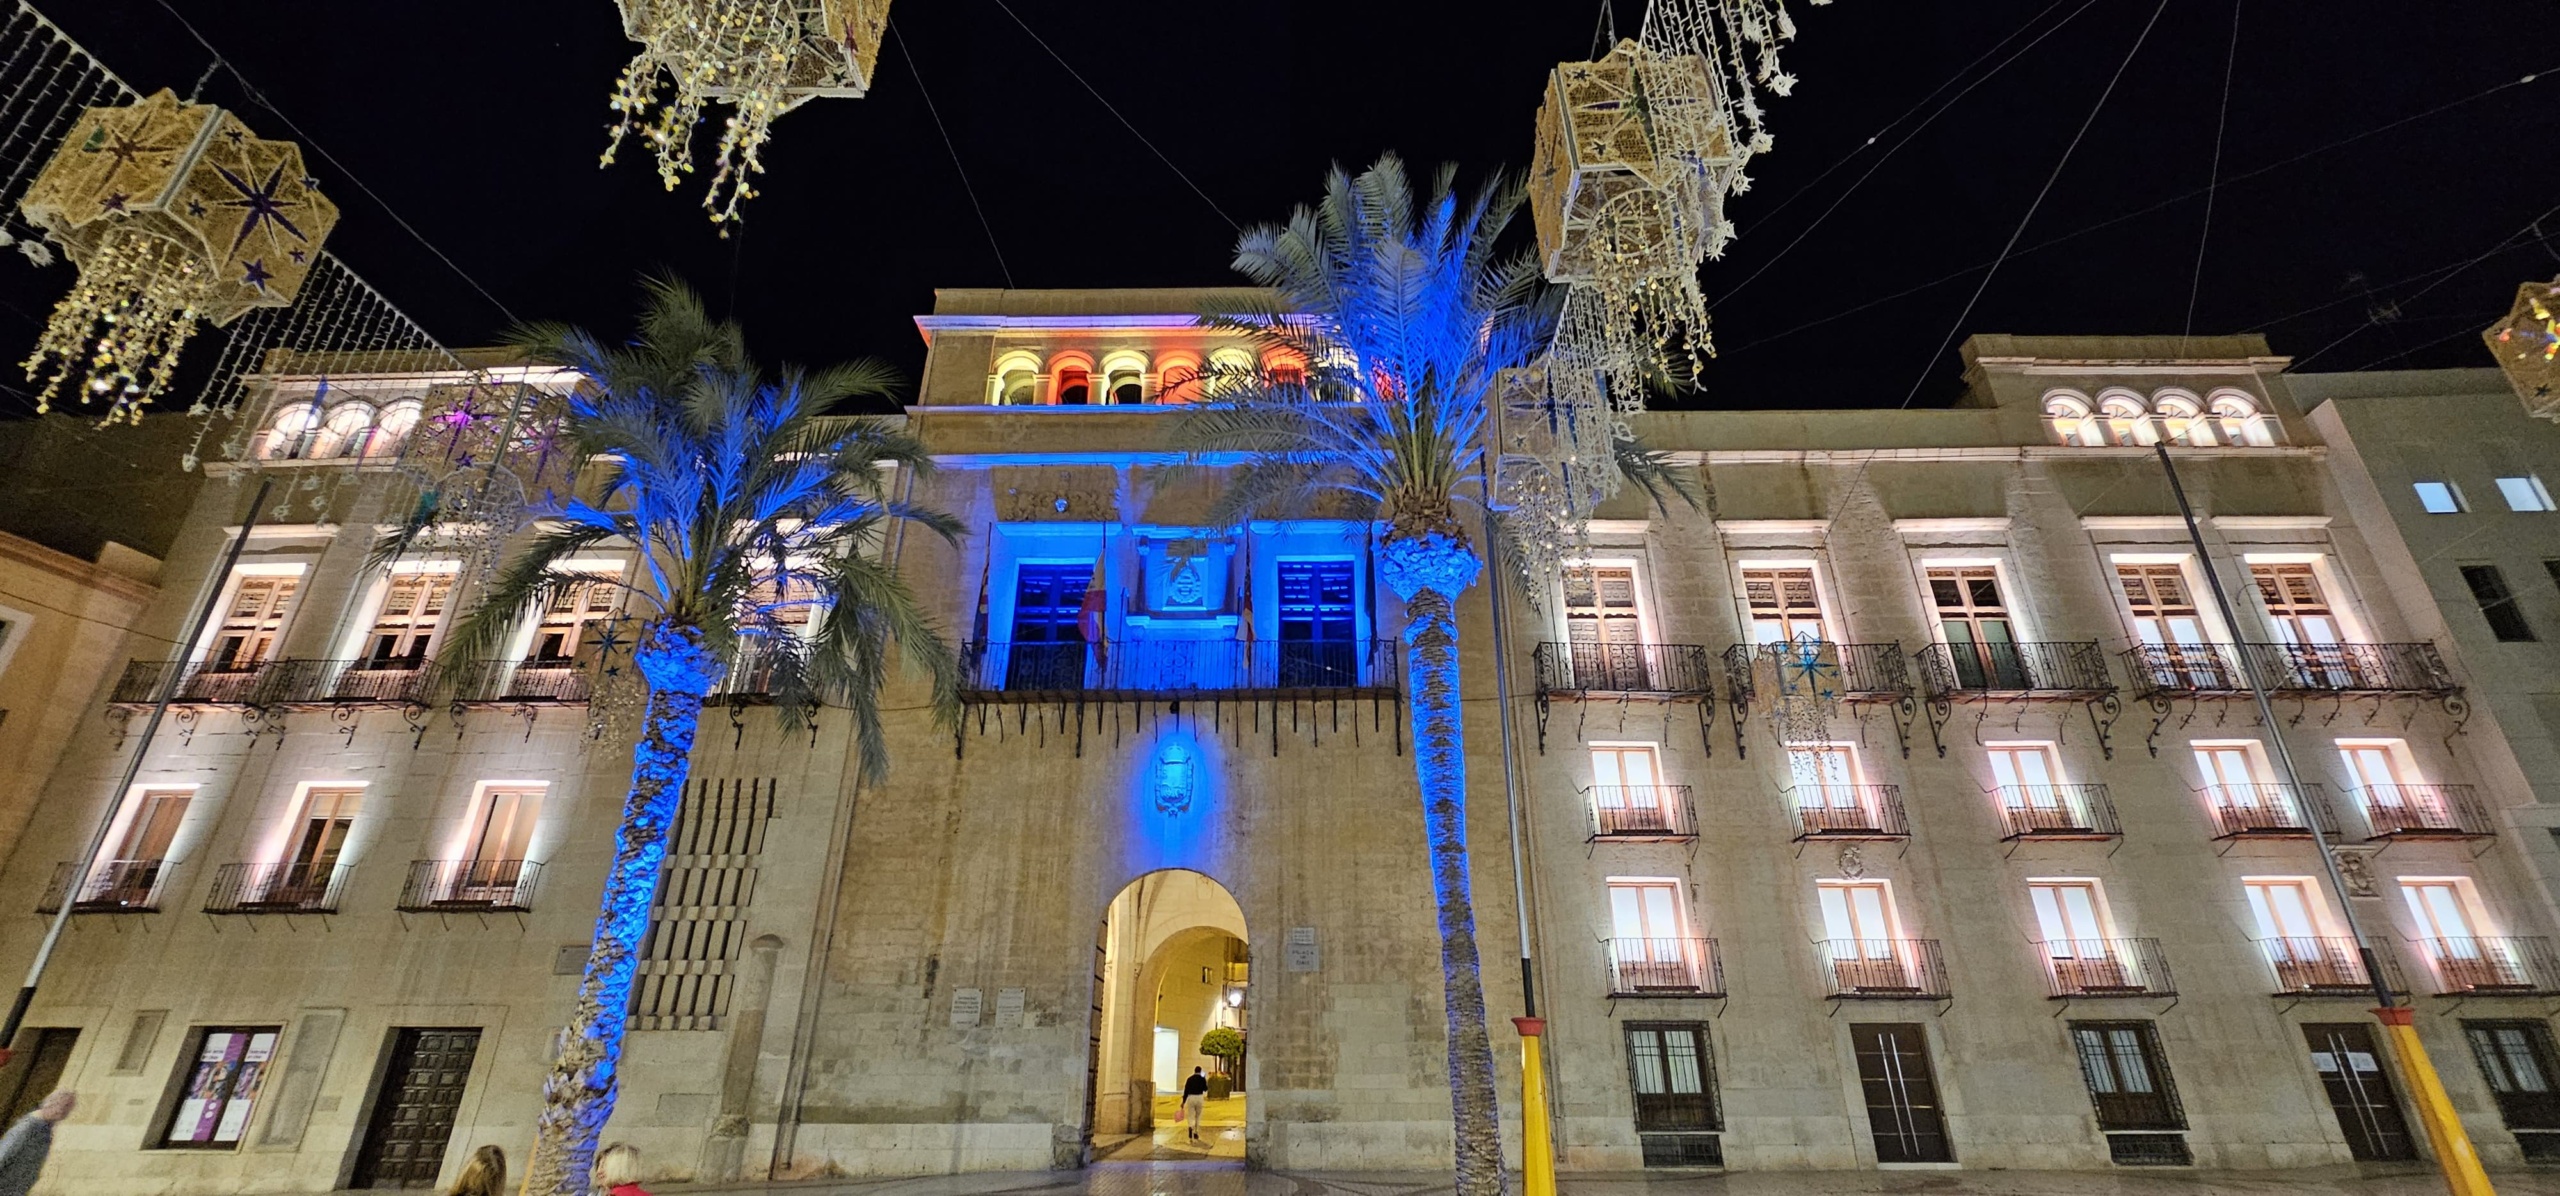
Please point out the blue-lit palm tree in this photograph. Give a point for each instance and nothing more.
(754, 512)
(1394, 319)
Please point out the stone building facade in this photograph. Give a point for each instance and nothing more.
(1902, 805)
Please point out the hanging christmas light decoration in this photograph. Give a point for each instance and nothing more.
(1554, 460)
(761, 57)
(175, 215)
(2527, 346)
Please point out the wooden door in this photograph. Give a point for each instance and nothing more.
(1902, 1096)
(2351, 1071)
(52, 1054)
(413, 1111)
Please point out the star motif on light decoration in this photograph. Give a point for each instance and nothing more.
(234, 134)
(260, 202)
(1782, 83)
(257, 275)
(124, 149)
(299, 257)
(310, 184)
(195, 208)
(113, 203)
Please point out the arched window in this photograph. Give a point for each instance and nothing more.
(1071, 379)
(285, 435)
(1284, 365)
(2068, 413)
(2240, 419)
(1229, 368)
(2182, 418)
(391, 431)
(342, 430)
(1180, 380)
(1016, 382)
(1124, 378)
(2127, 418)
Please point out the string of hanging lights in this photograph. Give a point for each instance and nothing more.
(2527, 346)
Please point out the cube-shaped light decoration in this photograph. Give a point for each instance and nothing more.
(2527, 346)
(174, 213)
(1633, 150)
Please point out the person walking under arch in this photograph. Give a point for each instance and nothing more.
(1195, 1099)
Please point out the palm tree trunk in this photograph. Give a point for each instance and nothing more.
(1428, 572)
(578, 1097)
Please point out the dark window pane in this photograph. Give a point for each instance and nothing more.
(2497, 603)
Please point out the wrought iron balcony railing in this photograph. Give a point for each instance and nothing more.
(2486, 967)
(2106, 968)
(112, 886)
(496, 682)
(470, 886)
(1641, 813)
(2056, 812)
(1180, 668)
(197, 684)
(2425, 812)
(2327, 967)
(1664, 968)
(393, 681)
(1849, 812)
(2269, 811)
(289, 888)
(2170, 670)
(1892, 969)
(1659, 670)
(1865, 672)
(2413, 668)
(2066, 670)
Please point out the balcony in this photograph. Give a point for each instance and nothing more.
(2326, 967)
(1638, 670)
(1179, 668)
(197, 685)
(276, 889)
(470, 886)
(2269, 811)
(2106, 968)
(514, 682)
(2056, 812)
(1884, 969)
(393, 681)
(2185, 670)
(2425, 812)
(2493, 967)
(1641, 813)
(112, 887)
(1849, 812)
(1664, 968)
(2415, 668)
(2073, 671)
(1858, 672)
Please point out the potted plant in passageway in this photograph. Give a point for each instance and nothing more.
(1394, 318)
(1226, 1045)
(758, 517)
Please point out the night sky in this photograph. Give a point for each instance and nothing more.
(480, 123)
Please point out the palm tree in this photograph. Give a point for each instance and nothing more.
(1393, 323)
(755, 514)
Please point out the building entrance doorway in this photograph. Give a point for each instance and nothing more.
(1170, 1002)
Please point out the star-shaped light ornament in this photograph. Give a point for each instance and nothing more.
(175, 215)
(2527, 346)
(761, 57)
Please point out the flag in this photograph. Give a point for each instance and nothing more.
(978, 625)
(1089, 620)
(1244, 591)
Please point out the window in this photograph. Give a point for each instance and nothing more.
(1784, 607)
(2241, 422)
(343, 430)
(1074, 385)
(1650, 949)
(1828, 794)
(2437, 908)
(2128, 422)
(2517, 1059)
(2067, 916)
(1627, 793)
(1859, 915)
(572, 613)
(2296, 603)
(505, 829)
(2526, 493)
(1018, 385)
(1179, 377)
(1673, 1077)
(2128, 1076)
(252, 622)
(1600, 605)
(327, 815)
(2497, 604)
(2162, 605)
(131, 876)
(1646, 909)
(1974, 619)
(2282, 908)
(1124, 378)
(2235, 782)
(1317, 623)
(2439, 498)
(2069, 417)
(2182, 420)
(1048, 634)
(412, 611)
(226, 1070)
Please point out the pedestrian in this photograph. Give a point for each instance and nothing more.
(1195, 1096)
(23, 1148)
(484, 1175)
(618, 1170)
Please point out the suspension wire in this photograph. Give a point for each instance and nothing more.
(1115, 114)
(2094, 109)
(1916, 130)
(2505, 243)
(314, 146)
(2213, 177)
(954, 151)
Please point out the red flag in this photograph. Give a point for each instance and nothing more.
(1089, 615)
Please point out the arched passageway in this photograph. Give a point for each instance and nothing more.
(1171, 980)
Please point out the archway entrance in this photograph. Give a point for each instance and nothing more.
(1170, 986)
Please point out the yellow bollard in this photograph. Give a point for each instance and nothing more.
(2461, 1164)
(1537, 1142)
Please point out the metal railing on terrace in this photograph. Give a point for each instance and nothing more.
(111, 886)
(2181, 669)
(289, 888)
(470, 886)
(1180, 668)
(2106, 968)
(2484, 967)
(1848, 812)
(2425, 812)
(1851, 672)
(2056, 812)
(1890, 969)
(397, 681)
(1664, 968)
(2327, 967)
(513, 681)
(1657, 670)
(2269, 811)
(1641, 813)
(197, 684)
(2411, 668)
(2069, 670)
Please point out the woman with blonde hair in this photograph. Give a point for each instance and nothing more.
(484, 1175)
(618, 1170)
